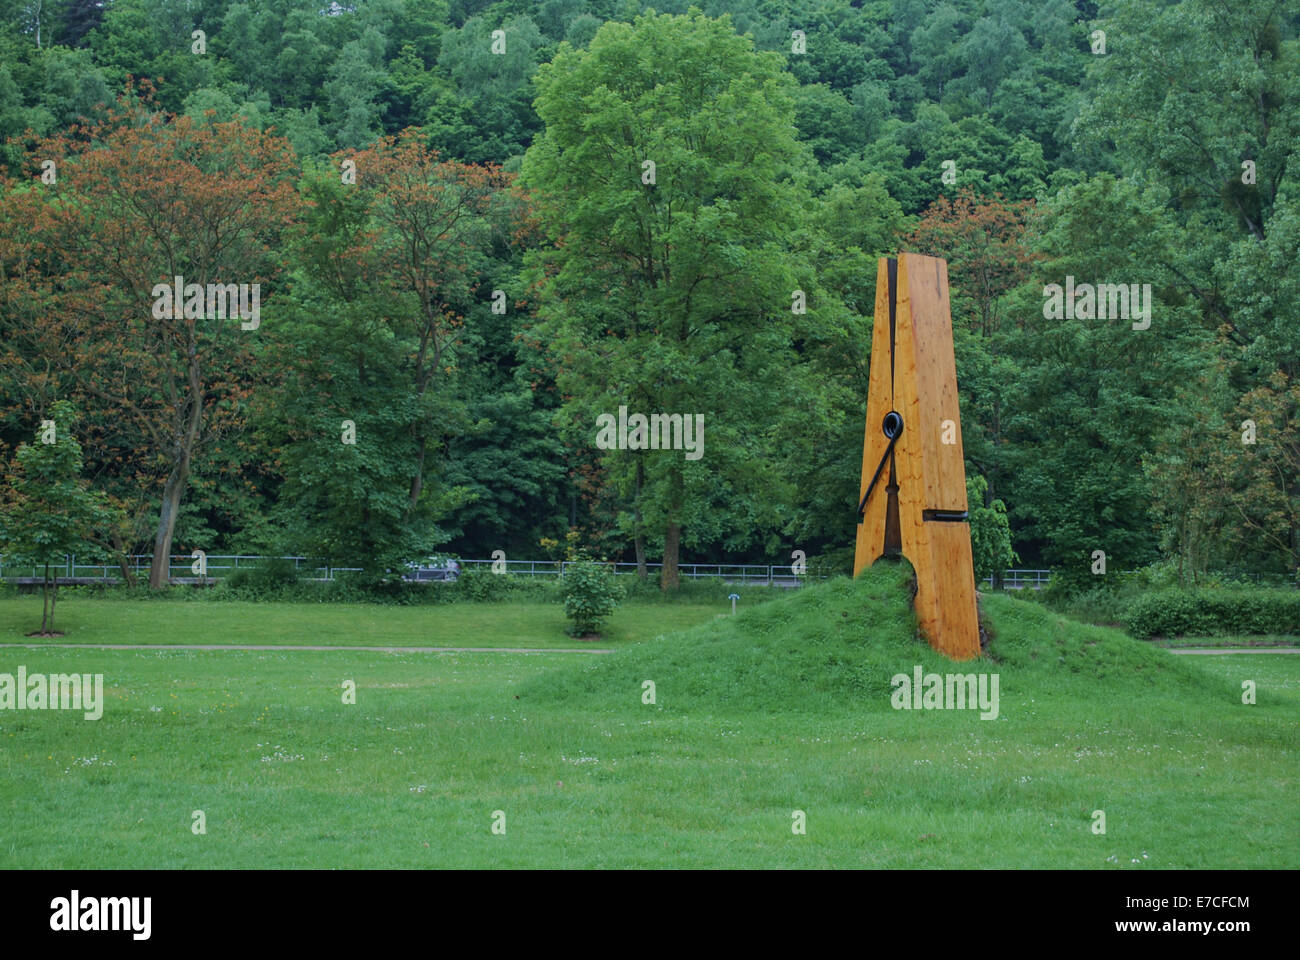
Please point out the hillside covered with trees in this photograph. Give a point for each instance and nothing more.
(476, 228)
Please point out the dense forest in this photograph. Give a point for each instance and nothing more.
(477, 227)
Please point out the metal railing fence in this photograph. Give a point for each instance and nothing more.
(217, 566)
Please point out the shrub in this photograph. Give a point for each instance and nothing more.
(274, 578)
(1099, 604)
(1067, 584)
(832, 563)
(703, 590)
(480, 585)
(590, 595)
(1173, 613)
(990, 531)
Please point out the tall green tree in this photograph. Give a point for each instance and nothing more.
(78, 19)
(1092, 393)
(852, 225)
(1201, 101)
(390, 264)
(664, 181)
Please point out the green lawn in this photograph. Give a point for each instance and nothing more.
(785, 707)
(1244, 640)
(95, 620)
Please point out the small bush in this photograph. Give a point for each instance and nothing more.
(274, 578)
(832, 563)
(483, 585)
(1090, 597)
(1101, 604)
(1064, 586)
(590, 595)
(1203, 613)
(990, 531)
(472, 586)
(703, 590)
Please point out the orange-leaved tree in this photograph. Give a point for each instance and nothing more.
(142, 203)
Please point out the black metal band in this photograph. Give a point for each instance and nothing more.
(892, 427)
(949, 516)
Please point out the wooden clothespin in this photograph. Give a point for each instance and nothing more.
(913, 492)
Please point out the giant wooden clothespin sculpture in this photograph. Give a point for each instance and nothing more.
(913, 493)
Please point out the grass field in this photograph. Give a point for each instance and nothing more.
(92, 620)
(785, 707)
(1242, 641)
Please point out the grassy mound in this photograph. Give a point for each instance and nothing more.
(835, 646)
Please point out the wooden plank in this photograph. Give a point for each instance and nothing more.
(945, 600)
(880, 400)
(936, 472)
(924, 282)
(911, 475)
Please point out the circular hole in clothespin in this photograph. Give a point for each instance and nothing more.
(893, 424)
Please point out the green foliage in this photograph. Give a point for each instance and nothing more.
(273, 578)
(701, 590)
(276, 581)
(484, 585)
(832, 563)
(671, 294)
(1099, 603)
(79, 18)
(50, 510)
(777, 170)
(1078, 460)
(1176, 613)
(990, 531)
(590, 595)
(353, 90)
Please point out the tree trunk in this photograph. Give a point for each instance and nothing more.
(417, 481)
(638, 545)
(1295, 538)
(160, 567)
(673, 533)
(1184, 548)
(638, 540)
(670, 579)
(54, 599)
(185, 440)
(123, 562)
(45, 599)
